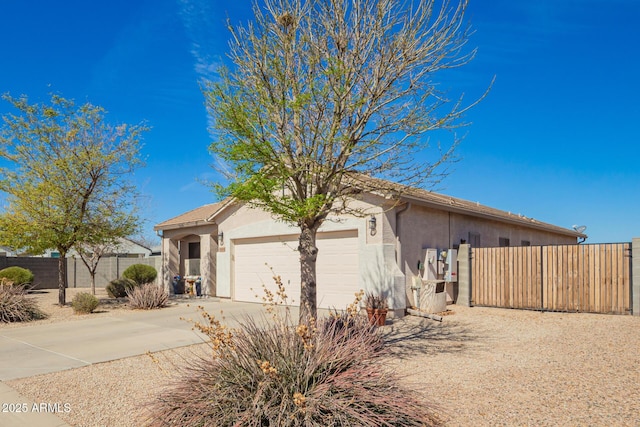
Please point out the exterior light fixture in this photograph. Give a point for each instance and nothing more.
(372, 225)
(220, 238)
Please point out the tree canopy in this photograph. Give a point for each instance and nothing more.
(66, 173)
(323, 94)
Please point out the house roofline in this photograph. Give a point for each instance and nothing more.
(451, 204)
(223, 206)
(409, 194)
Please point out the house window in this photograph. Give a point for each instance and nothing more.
(194, 250)
(525, 243)
(474, 240)
(503, 242)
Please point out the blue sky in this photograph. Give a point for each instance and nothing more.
(555, 139)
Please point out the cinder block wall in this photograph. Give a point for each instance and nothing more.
(45, 270)
(109, 268)
(464, 275)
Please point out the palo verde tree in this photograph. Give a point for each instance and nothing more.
(66, 173)
(323, 95)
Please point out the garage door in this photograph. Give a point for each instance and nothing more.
(336, 268)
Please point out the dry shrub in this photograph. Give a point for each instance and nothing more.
(147, 297)
(118, 288)
(272, 372)
(84, 303)
(16, 306)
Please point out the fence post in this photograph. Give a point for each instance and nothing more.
(464, 275)
(635, 276)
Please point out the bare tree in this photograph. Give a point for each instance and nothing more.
(92, 253)
(326, 94)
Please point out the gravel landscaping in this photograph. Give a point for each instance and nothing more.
(480, 366)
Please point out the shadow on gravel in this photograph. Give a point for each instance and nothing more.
(411, 336)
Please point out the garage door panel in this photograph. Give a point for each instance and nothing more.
(337, 268)
(252, 261)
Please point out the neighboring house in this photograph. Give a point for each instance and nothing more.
(5, 251)
(232, 246)
(124, 248)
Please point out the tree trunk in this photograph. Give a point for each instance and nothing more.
(93, 282)
(308, 255)
(62, 279)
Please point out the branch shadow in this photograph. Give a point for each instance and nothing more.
(413, 336)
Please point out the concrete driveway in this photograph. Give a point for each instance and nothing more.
(45, 348)
(41, 349)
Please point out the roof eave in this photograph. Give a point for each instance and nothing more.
(225, 204)
(525, 222)
(178, 226)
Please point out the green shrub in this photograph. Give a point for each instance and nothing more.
(84, 303)
(118, 288)
(271, 372)
(147, 297)
(17, 275)
(140, 273)
(16, 306)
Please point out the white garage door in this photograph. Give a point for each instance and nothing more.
(336, 268)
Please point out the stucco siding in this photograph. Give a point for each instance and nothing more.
(374, 263)
(424, 227)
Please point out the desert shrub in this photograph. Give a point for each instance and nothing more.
(16, 275)
(147, 297)
(84, 303)
(118, 288)
(272, 372)
(140, 273)
(16, 306)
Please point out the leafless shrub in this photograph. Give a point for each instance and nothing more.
(16, 306)
(147, 297)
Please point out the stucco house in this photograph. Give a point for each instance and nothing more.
(233, 247)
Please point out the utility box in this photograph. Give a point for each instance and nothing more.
(450, 265)
(430, 300)
(430, 263)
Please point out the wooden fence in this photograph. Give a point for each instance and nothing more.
(592, 278)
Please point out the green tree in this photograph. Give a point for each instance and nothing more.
(66, 173)
(324, 95)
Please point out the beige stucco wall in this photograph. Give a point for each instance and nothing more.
(377, 266)
(175, 254)
(424, 227)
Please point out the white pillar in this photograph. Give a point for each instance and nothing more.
(208, 249)
(170, 262)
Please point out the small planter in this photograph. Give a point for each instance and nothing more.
(377, 308)
(377, 316)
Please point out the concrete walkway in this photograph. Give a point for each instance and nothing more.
(40, 349)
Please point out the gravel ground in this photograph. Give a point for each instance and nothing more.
(47, 300)
(481, 366)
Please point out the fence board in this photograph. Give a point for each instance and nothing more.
(594, 278)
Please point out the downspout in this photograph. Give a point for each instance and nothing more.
(163, 280)
(406, 207)
(399, 258)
